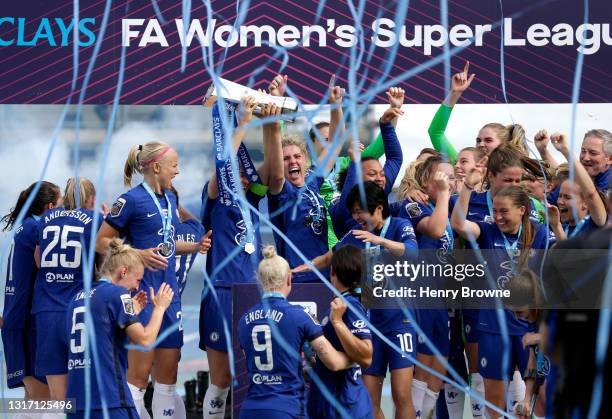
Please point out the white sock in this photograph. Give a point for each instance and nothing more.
(454, 401)
(477, 386)
(418, 394)
(429, 403)
(214, 402)
(138, 396)
(516, 391)
(180, 413)
(164, 403)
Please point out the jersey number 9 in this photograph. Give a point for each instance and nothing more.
(261, 347)
(60, 235)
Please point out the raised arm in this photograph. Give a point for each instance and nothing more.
(273, 150)
(554, 220)
(393, 149)
(434, 226)
(245, 115)
(269, 170)
(597, 209)
(358, 350)
(337, 127)
(460, 82)
(465, 228)
(541, 141)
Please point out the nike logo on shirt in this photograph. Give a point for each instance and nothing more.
(151, 215)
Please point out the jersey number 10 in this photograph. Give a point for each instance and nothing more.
(60, 235)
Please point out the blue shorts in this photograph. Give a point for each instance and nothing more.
(491, 352)
(470, 325)
(172, 320)
(52, 350)
(266, 413)
(212, 334)
(113, 413)
(20, 355)
(435, 325)
(384, 355)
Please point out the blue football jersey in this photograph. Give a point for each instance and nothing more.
(586, 227)
(346, 386)
(299, 213)
(338, 211)
(137, 219)
(112, 311)
(416, 212)
(500, 267)
(20, 276)
(400, 230)
(64, 238)
(478, 209)
(190, 231)
(229, 237)
(275, 371)
(432, 251)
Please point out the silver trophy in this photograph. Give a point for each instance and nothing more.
(234, 92)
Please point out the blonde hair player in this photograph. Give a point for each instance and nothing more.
(147, 217)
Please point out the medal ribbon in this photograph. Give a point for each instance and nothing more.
(167, 218)
(576, 229)
(273, 295)
(511, 249)
(382, 234)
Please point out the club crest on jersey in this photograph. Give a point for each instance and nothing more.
(413, 209)
(117, 207)
(488, 219)
(128, 304)
(483, 362)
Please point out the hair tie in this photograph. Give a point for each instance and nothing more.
(139, 147)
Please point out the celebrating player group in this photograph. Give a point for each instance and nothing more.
(92, 306)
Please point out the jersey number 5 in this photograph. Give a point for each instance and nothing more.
(78, 326)
(261, 347)
(60, 235)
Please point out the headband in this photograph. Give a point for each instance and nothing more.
(156, 157)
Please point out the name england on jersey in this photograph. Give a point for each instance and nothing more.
(264, 314)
